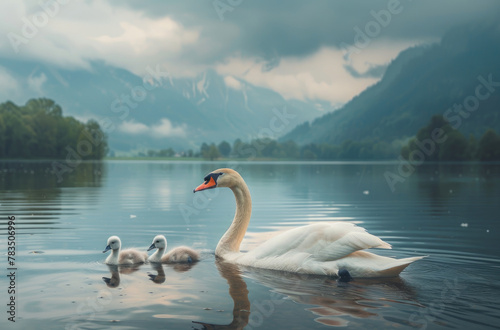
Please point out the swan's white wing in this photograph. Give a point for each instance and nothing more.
(321, 241)
(348, 244)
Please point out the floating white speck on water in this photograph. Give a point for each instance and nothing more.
(464, 224)
(132, 216)
(366, 192)
(487, 230)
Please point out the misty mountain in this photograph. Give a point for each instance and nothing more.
(422, 81)
(158, 111)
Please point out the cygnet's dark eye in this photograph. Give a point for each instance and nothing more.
(157, 242)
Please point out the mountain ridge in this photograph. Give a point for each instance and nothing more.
(147, 113)
(420, 82)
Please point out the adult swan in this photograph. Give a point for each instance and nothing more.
(320, 248)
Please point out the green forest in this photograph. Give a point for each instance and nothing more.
(270, 149)
(437, 141)
(266, 148)
(39, 130)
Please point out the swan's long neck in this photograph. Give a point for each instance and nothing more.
(231, 240)
(156, 257)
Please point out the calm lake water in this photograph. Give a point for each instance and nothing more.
(450, 213)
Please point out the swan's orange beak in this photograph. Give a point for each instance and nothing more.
(206, 185)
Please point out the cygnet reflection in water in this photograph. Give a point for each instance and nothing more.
(115, 270)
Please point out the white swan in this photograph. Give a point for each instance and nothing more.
(181, 254)
(125, 257)
(320, 248)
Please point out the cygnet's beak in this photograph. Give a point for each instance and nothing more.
(152, 247)
(106, 249)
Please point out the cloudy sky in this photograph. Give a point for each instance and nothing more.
(328, 50)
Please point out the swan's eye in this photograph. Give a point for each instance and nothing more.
(221, 173)
(157, 242)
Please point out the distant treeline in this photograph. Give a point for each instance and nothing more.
(158, 153)
(39, 130)
(439, 141)
(269, 148)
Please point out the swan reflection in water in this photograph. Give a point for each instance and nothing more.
(336, 303)
(238, 292)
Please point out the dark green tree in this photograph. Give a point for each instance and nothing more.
(236, 150)
(269, 147)
(472, 147)
(94, 138)
(290, 149)
(489, 147)
(204, 149)
(2, 137)
(429, 143)
(38, 130)
(310, 151)
(211, 153)
(455, 148)
(224, 148)
(309, 154)
(166, 152)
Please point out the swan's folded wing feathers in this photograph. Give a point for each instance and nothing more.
(347, 244)
(323, 241)
(280, 244)
(302, 239)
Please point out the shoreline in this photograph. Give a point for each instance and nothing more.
(253, 160)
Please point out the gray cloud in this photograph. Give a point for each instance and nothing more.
(273, 28)
(374, 71)
(292, 47)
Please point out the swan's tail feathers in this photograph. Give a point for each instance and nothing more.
(398, 266)
(363, 240)
(383, 245)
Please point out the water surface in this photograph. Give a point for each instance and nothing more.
(449, 213)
